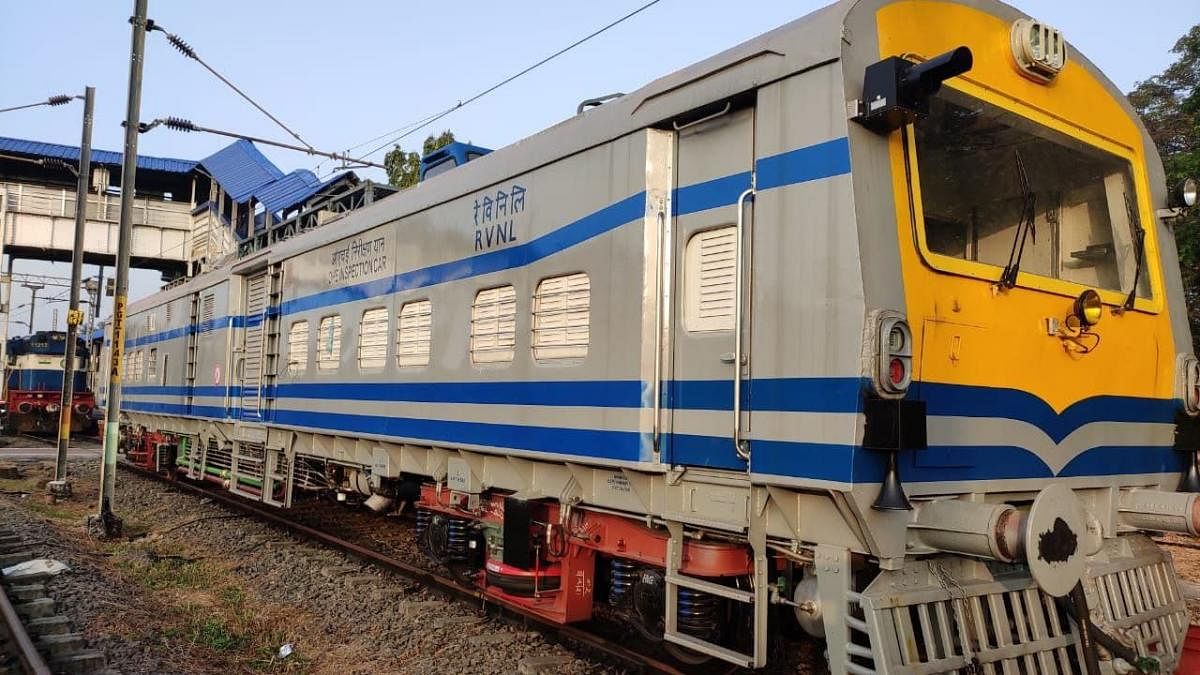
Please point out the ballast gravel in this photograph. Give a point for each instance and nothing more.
(349, 617)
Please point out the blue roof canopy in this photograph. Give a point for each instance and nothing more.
(20, 146)
(241, 170)
(280, 194)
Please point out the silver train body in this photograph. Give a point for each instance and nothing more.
(563, 320)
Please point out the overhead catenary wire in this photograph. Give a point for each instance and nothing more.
(185, 125)
(184, 48)
(56, 100)
(463, 103)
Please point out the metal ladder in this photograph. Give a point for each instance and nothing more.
(756, 598)
(193, 335)
(270, 353)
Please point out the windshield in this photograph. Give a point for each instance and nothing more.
(1085, 228)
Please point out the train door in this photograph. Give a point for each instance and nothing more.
(256, 299)
(713, 172)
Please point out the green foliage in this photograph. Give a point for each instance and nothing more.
(1170, 107)
(404, 168)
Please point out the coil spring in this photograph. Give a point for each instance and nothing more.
(622, 577)
(423, 518)
(456, 538)
(697, 613)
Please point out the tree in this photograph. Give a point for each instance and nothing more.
(1170, 108)
(404, 168)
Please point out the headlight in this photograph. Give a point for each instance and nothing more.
(1088, 308)
(1190, 192)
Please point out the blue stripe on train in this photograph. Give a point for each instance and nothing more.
(605, 220)
(789, 394)
(972, 401)
(823, 160)
(202, 327)
(815, 461)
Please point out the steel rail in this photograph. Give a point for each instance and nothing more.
(27, 653)
(418, 574)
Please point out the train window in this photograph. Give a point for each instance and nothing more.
(297, 348)
(373, 338)
(414, 333)
(494, 325)
(987, 174)
(329, 343)
(562, 317)
(709, 275)
(152, 365)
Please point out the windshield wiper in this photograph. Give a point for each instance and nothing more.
(1025, 229)
(1139, 234)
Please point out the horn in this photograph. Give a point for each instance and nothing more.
(1190, 481)
(891, 494)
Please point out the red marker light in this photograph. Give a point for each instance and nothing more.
(896, 372)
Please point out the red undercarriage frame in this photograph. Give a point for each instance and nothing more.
(141, 445)
(588, 533)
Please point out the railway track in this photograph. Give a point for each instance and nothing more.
(337, 531)
(34, 638)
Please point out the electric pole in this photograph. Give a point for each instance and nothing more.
(60, 487)
(33, 287)
(106, 523)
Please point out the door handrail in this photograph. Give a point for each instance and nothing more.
(739, 446)
(659, 310)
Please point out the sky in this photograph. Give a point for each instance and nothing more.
(341, 74)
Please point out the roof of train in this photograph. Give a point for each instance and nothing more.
(44, 342)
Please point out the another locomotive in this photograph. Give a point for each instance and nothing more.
(34, 385)
(872, 323)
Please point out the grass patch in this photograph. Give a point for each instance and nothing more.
(213, 632)
(27, 484)
(159, 572)
(210, 610)
(60, 512)
(233, 597)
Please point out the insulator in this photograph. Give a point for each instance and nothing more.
(423, 518)
(623, 575)
(456, 539)
(60, 99)
(183, 47)
(179, 124)
(55, 163)
(697, 613)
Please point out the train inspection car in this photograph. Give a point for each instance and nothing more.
(34, 389)
(872, 324)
